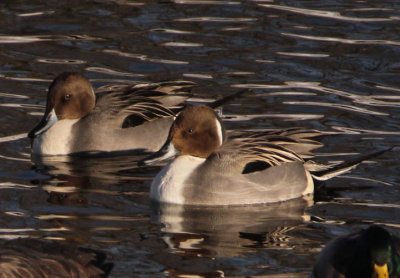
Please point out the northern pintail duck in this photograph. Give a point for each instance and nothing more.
(212, 168)
(116, 118)
(372, 252)
(28, 257)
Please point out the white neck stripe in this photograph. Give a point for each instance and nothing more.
(219, 132)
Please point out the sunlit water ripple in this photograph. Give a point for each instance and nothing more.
(331, 66)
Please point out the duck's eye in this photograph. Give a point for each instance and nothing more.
(67, 97)
(190, 130)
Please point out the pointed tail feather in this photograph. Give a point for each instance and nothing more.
(226, 99)
(323, 172)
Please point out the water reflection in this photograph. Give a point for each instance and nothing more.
(332, 14)
(33, 39)
(328, 65)
(221, 231)
(97, 174)
(77, 194)
(342, 40)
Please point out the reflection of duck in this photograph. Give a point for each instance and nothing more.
(69, 178)
(372, 252)
(86, 199)
(211, 169)
(73, 177)
(223, 230)
(38, 258)
(116, 118)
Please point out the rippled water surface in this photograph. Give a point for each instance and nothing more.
(327, 65)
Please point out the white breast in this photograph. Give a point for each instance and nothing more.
(168, 185)
(57, 140)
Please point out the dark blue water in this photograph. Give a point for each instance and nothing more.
(328, 65)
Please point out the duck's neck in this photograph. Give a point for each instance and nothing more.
(168, 185)
(57, 140)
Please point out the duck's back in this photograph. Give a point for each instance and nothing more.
(131, 117)
(37, 258)
(221, 181)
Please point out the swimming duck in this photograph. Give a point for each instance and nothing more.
(28, 257)
(116, 118)
(211, 168)
(214, 169)
(373, 252)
